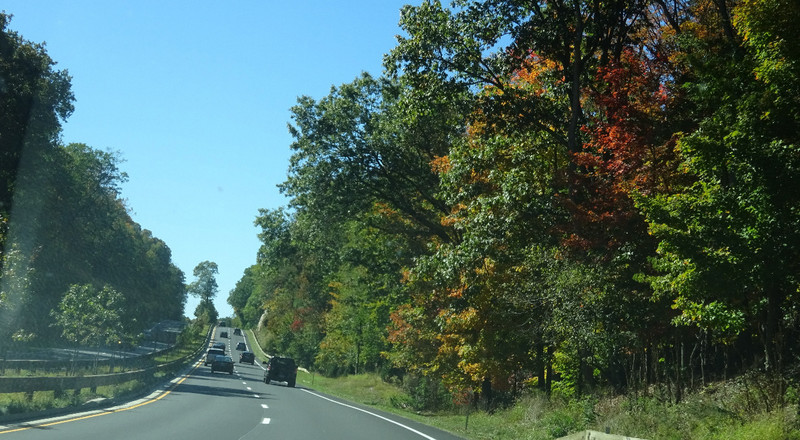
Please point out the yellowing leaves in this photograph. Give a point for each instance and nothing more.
(457, 293)
(458, 321)
(533, 73)
(488, 267)
(441, 164)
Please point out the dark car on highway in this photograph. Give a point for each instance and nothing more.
(237, 332)
(222, 363)
(219, 345)
(211, 354)
(241, 346)
(247, 356)
(281, 369)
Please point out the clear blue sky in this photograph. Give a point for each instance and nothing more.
(195, 95)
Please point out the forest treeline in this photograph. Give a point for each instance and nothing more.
(564, 194)
(68, 246)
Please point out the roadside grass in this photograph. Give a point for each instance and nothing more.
(536, 417)
(368, 389)
(16, 403)
(734, 410)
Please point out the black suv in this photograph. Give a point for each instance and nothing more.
(281, 369)
(222, 363)
(211, 354)
(219, 346)
(247, 356)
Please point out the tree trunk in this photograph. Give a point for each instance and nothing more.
(486, 390)
(679, 364)
(540, 367)
(549, 373)
(725, 21)
(771, 339)
(576, 112)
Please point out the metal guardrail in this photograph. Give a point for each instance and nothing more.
(51, 366)
(63, 383)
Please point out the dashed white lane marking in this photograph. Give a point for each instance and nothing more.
(266, 421)
(264, 405)
(256, 396)
(244, 383)
(421, 434)
(249, 389)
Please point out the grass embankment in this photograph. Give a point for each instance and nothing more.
(18, 403)
(720, 411)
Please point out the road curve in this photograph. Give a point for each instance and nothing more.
(202, 405)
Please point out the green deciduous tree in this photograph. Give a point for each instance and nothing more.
(364, 195)
(359, 145)
(90, 317)
(728, 248)
(205, 288)
(34, 99)
(62, 219)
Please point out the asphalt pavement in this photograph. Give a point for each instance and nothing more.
(204, 405)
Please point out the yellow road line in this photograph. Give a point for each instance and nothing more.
(105, 413)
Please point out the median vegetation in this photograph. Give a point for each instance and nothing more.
(161, 367)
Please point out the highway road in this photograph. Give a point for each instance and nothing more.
(201, 405)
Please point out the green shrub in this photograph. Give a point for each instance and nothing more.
(401, 401)
(576, 415)
(766, 427)
(560, 423)
(426, 394)
(791, 396)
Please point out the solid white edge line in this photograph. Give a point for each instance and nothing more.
(421, 434)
